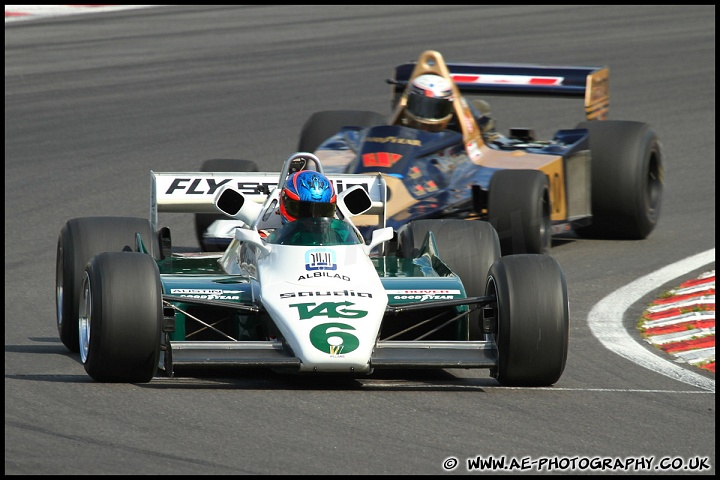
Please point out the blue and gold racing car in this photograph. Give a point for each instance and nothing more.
(600, 179)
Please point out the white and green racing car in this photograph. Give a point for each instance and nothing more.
(309, 297)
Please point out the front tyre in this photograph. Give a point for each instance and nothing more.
(79, 240)
(519, 209)
(121, 317)
(532, 319)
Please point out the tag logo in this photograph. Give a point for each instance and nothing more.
(328, 309)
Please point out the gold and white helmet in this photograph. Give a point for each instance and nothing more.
(429, 103)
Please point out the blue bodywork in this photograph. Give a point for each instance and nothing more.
(435, 167)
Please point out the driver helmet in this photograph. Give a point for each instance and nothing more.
(429, 103)
(307, 194)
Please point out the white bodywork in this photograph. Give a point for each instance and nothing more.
(328, 303)
(326, 299)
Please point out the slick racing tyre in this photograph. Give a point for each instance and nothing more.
(204, 220)
(532, 319)
(79, 240)
(626, 180)
(467, 247)
(121, 317)
(519, 209)
(323, 125)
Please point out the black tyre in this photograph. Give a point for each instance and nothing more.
(121, 317)
(519, 209)
(79, 240)
(626, 181)
(468, 247)
(323, 125)
(204, 220)
(532, 319)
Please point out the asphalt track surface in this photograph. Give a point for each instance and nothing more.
(93, 102)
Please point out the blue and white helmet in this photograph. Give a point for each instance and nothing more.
(307, 194)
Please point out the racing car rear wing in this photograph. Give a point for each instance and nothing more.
(589, 83)
(194, 192)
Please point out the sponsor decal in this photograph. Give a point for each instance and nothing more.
(327, 293)
(213, 297)
(398, 140)
(206, 293)
(467, 119)
(320, 260)
(473, 151)
(422, 295)
(380, 159)
(324, 274)
(426, 207)
(334, 339)
(210, 186)
(328, 309)
(507, 79)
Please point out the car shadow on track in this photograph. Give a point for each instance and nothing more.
(267, 379)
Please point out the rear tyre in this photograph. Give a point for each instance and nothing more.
(79, 240)
(204, 220)
(467, 247)
(626, 181)
(519, 209)
(323, 125)
(532, 319)
(121, 317)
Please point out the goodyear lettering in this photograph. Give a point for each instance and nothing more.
(327, 293)
(422, 298)
(397, 140)
(213, 297)
(324, 274)
(452, 292)
(423, 295)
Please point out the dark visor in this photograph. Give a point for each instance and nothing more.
(429, 107)
(301, 209)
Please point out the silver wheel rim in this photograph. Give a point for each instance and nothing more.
(85, 314)
(59, 288)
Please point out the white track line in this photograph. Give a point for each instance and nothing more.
(606, 320)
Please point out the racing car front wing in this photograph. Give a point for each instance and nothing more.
(386, 354)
